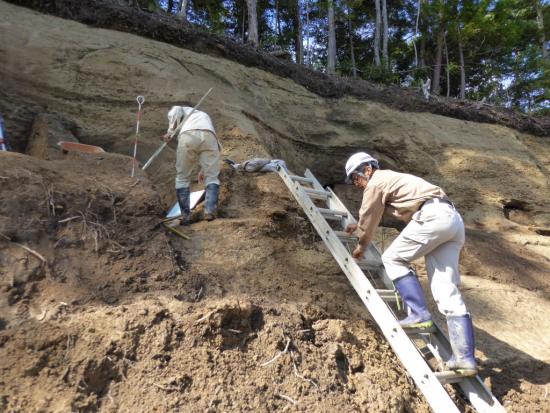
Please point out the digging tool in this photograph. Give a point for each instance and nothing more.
(175, 231)
(174, 133)
(140, 101)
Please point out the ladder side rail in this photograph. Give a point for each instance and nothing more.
(473, 387)
(423, 376)
(316, 184)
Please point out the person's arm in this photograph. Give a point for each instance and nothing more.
(370, 214)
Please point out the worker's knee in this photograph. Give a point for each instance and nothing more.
(182, 182)
(448, 298)
(395, 266)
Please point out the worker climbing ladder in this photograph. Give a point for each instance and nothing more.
(420, 351)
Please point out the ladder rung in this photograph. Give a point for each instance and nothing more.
(449, 377)
(332, 213)
(367, 265)
(343, 235)
(416, 330)
(316, 194)
(387, 295)
(301, 179)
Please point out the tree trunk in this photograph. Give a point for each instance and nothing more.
(462, 71)
(331, 53)
(422, 53)
(277, 20)
(243, 22)
(299, 43)
(170, 6)
(377, 34)
(308, 60)
(540, 24)
(252, 24)
(439, 50)
(183, 9)
(416, 34)
(351, 50)
(447, 67)
(385, 33)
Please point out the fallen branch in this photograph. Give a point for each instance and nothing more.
(69, 219)
(33, 252)
(43, 315)
(198, 295)
(288, 399)
(205, 317)
(279, 354)
(298, 374)
(160, 386)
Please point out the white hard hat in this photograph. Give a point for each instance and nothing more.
(355, 161)
(175, 116)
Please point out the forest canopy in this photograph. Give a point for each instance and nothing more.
(495, 51)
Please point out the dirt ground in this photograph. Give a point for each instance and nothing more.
(125, 316)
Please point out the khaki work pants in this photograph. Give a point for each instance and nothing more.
(197, 147)
(436, 232)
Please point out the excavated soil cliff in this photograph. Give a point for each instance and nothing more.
(102, 309)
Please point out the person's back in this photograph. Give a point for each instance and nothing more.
(196, 119)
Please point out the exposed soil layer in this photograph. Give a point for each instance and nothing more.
(162, 27)
(124, 316)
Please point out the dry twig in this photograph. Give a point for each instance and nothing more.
(205, 317)
(160, 386)
(279, 354)
(298, 374)
(33, 252)
(68, 219)
(288, 399)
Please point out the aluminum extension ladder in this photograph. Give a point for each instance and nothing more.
(417, 351)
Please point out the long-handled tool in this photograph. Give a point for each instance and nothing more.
(174, 133)
(140, 101)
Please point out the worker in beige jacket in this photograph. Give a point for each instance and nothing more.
(434, 230)
(197, 144)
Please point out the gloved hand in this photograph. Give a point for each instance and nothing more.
(359, 251)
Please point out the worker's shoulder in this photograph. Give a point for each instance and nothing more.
(384, 175)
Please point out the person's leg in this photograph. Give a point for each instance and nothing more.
(209, 158)
(185, 164)
(424, 233)
(442, 265)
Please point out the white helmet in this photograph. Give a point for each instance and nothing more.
(175, 116)
(355, 161)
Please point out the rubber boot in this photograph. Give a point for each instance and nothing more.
(461, 336)
(411, 291)
(185, 205)
(211, 202)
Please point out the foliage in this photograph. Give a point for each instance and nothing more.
(500, 39)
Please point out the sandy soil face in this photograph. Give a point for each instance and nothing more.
(125, 317)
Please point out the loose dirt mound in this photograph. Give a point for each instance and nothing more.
(116, 320)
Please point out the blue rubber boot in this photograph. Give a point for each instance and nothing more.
(185, 205)
(411, 291)
(211, 202)
(461, 336)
